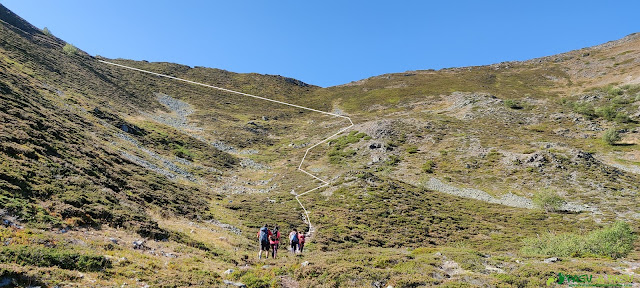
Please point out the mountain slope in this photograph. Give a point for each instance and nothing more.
(438, 184)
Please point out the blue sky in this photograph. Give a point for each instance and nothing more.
(331, 42)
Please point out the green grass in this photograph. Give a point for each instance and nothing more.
(53, 257)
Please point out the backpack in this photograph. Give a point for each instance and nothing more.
(275, 236)
(264, 234)
(294, 237)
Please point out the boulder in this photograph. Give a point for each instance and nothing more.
(552, 260)
(236, 284)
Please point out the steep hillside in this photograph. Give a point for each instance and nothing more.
(463, 176)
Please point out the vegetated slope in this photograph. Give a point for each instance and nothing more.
(57, 134)
(89, 149)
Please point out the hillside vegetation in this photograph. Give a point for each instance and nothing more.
(461, 177)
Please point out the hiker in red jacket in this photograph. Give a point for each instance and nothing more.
(301, 240)
(274, 240)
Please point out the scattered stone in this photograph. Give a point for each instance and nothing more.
(237, 284)
(506, 199)
(552, 260)
(114, 240)
(249, 163)
(266, 266)
(139, 245)
(451, 268)
(298, 146)
(491, 269)
(305, 264)
(375, 145)
(229, 271)
(168, 254)
(9, 223)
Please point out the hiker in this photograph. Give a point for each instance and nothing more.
(263, 238)
(301, 237)
(293, 240)
(274, 240)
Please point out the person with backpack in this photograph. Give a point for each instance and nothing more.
(293, 240)
(301, 237)
(274, 240)
(263, 238)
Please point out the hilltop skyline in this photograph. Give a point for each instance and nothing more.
(333, 43)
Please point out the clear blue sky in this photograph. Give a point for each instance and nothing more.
(331, 42)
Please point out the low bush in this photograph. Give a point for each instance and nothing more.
(615, 91)
(611, 136)
(622, 117)
(337, 153)
(70, 49)
(513, 104)
(548, 201)
(614, 241)
(607, 112)
(585, 109)
(428, 166)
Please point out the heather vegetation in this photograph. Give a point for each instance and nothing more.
(134, 179)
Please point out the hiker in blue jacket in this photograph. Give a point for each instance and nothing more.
(263, 238)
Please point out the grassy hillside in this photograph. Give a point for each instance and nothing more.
(460, 177)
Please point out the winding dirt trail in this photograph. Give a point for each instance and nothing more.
(324, 183)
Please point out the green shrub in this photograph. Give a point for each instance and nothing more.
(393, 160)
(337, 153)
(513, 104)
(548, 201)
(70, 49)
(412, 149)
(614, 241)
(607, 112)
(622, 117)
(620, 100)
(586, 109)
(427, 167)
(611, 136)
(46, 31)
(614, 91)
